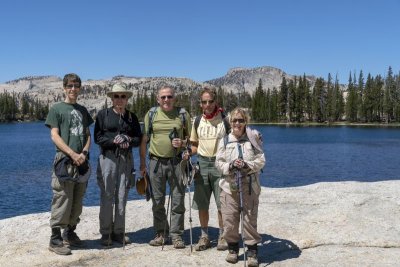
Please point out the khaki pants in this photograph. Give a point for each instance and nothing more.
(231, 216)
(66, 205)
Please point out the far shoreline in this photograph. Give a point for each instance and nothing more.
(286, 124)
(328, 124)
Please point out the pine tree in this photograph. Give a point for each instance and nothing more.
(351, 102)
(283, 99)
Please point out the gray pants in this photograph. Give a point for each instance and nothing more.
(66, 205)
(230, 205)
(162, 171)
(113, 177)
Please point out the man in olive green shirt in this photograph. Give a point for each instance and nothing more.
(168, 131)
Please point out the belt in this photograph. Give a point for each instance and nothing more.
(207, 158)
(165, 161)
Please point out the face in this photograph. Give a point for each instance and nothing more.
(72, 91)
(166, 99)
(238, 124)
(207, 103)
(120, 100)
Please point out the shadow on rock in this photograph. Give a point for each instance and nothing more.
(275, 249)
(142, 236)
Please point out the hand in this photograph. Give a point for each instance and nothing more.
(238, 163)
(143, 171)
(121, 138)
(177, 142)
(124, 145)
(78, 159)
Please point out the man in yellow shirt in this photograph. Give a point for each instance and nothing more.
(204, 139)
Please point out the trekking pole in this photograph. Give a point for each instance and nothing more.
(126, 202)
(189, 183)
(172, 135)
(239, 183)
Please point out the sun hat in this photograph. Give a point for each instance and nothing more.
(120, 88)
(141, 185)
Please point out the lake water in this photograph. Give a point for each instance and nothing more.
(296, 156)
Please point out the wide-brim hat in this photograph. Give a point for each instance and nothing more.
(120, 88)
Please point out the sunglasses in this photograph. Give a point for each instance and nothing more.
(241, 121)
(120, 96)
(166, 96)
(205, 102)
(75, 85)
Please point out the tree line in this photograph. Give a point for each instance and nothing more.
(371, 100)
(15, 106)
(365, 100)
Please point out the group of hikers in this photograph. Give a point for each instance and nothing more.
(230, 157)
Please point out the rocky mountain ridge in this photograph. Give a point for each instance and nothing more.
(93, 95)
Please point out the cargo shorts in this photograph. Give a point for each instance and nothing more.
(206, 184)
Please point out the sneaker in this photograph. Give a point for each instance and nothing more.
(106, 240)
(232, 257)
(204, 243)
(222, 244)
(120, 238)
(252, 260)
(158, 240)
(178, 243)
(72, 239)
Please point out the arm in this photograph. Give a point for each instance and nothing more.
(142, 154)
(136, 133)
(256, 163)
(221, 162)
(78, 159)
(99, 137)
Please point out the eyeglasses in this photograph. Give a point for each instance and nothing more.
(241, 121)
(205, 102)
(119, 96)
(166, 96)
(75, 85)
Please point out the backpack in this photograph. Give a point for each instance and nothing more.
(251, 136)
(227, 125)
(182, 114)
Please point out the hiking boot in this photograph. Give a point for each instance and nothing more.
(178, 243)
(120, 238)
(158, 240)
(252, 260)
(204, 243)
(106, 240)
(71, 238)
(232, 256)
(56, 243)
(222, 245)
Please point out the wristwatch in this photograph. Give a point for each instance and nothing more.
(84, 152)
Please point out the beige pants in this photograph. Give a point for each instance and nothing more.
(230, 205)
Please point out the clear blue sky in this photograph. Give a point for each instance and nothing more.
(200, 40)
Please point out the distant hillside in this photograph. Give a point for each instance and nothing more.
(93, 94)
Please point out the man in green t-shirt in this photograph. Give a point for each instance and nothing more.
(69, 128)
(168, 131)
